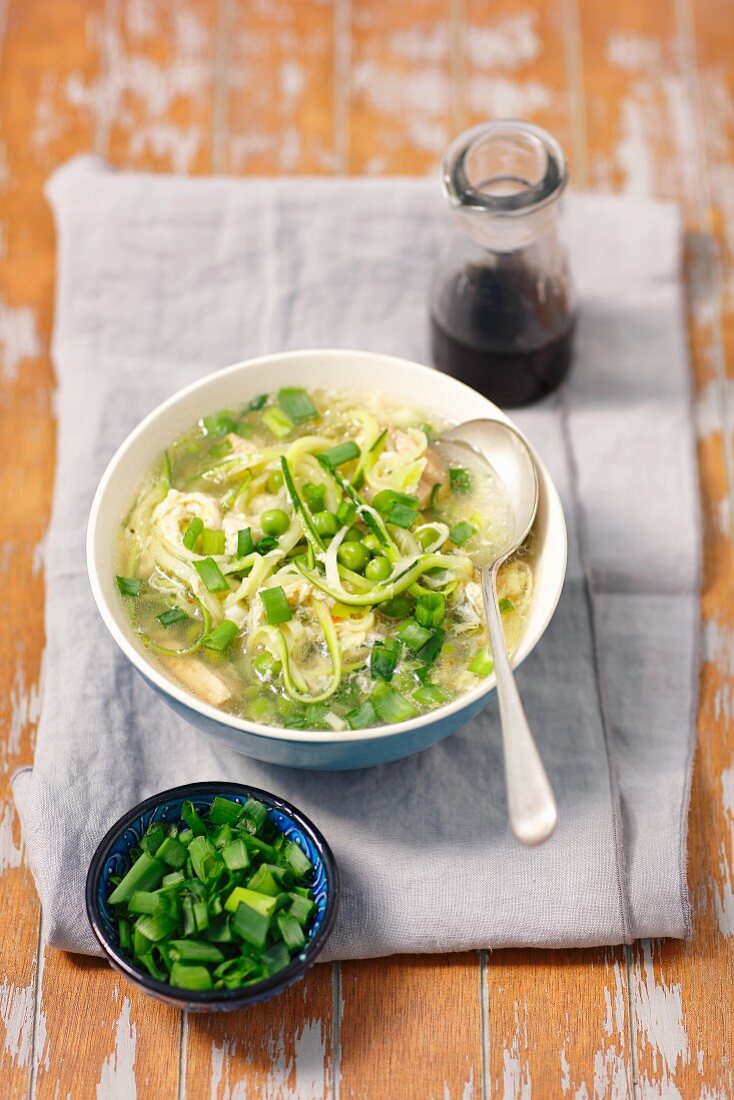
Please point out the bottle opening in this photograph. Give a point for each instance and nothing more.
(505, 167)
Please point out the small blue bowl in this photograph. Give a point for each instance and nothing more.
(112, 858)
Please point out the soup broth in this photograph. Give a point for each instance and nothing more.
(303, 561)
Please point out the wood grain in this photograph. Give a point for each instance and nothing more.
(646, 113)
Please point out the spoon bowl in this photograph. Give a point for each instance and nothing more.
(531, 805)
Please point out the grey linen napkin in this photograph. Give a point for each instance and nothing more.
(162, 279)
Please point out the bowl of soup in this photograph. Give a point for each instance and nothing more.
(285, 555)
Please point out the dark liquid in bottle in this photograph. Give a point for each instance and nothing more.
(503, 332)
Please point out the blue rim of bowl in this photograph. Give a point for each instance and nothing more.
(259, 991)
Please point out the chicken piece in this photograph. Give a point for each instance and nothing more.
(434, 473)
(199, 679)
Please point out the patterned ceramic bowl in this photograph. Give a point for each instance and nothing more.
(112, 858)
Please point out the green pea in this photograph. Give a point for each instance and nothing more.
(353, 535)
(326, 523)
(379, 569)
(372, 543)
(353, 556)
(274, 522)
(274, 481)
(425, 538)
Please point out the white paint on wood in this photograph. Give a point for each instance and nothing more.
(634, 52)
(25, 706)
(516, 1078)
(117, 1079)
(16, 1013)
(19, 339)
(11, 851)
(505, 44)
(658, 1011)
(502, 97)
(723, 888)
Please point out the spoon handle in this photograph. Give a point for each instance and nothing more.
(531, 805)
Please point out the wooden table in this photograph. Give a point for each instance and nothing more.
(641, 93)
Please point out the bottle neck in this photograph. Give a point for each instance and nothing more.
(503, 233)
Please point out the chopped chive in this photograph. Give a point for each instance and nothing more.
(221, 637)
(235, 855)
(277, 608)
(195, 951)
(429, 696)
(211, 575)
(129, 586)
(250, 926)
(390, 705)
(172, 852)
(297, 859)
(341, 453)
(145, 874)
(291, 932)
(460, 480)
(190, 977)
(461, 533)
(300, 908)
(413, 634)
(384, 658)
(245, 545)
(212, 542)
(296, 404)
(362, 717)
(224, 811)
(428, 653)
(192, 533)
(482, 665)
(218, 424)
(278, 422)
(191, 816)
(171, 616)
(506, 605)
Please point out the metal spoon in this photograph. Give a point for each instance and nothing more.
(531, 805)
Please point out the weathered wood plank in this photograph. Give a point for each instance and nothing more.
(411, 1028)
(33, 136)
(280, 1050)
(400, 86)
(278, 91)
(156, 95)
(646, 119)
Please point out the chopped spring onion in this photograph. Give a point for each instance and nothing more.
(506, 605)
(399, 509)
(291, 932)
(190, 977)
(211, 575)
(429, 696)
(192, 818)
(251, 926)
(193, 533)
(245, 545)
(460, 480)
(396, 608)
(341, 453)
(266, 544)
(224, 811)
(390, 705)
(413, 634)
(482, 665)
(384, 659)
(297, 859)
(145, 874)
(218, 425)
(278, 422)
(362, 717)
(277, 608)
(430, 609)
(212, 542)
(221, 637)
(171, 616)
(309, 530)
(346, 512)
(257, 403)
(129, 586)
(461, 533)
(172, 852)
(296, 404)
(430, 651)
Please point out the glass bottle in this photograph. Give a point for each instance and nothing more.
(502, 310)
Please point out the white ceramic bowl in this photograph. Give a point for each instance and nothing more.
(427, 389)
